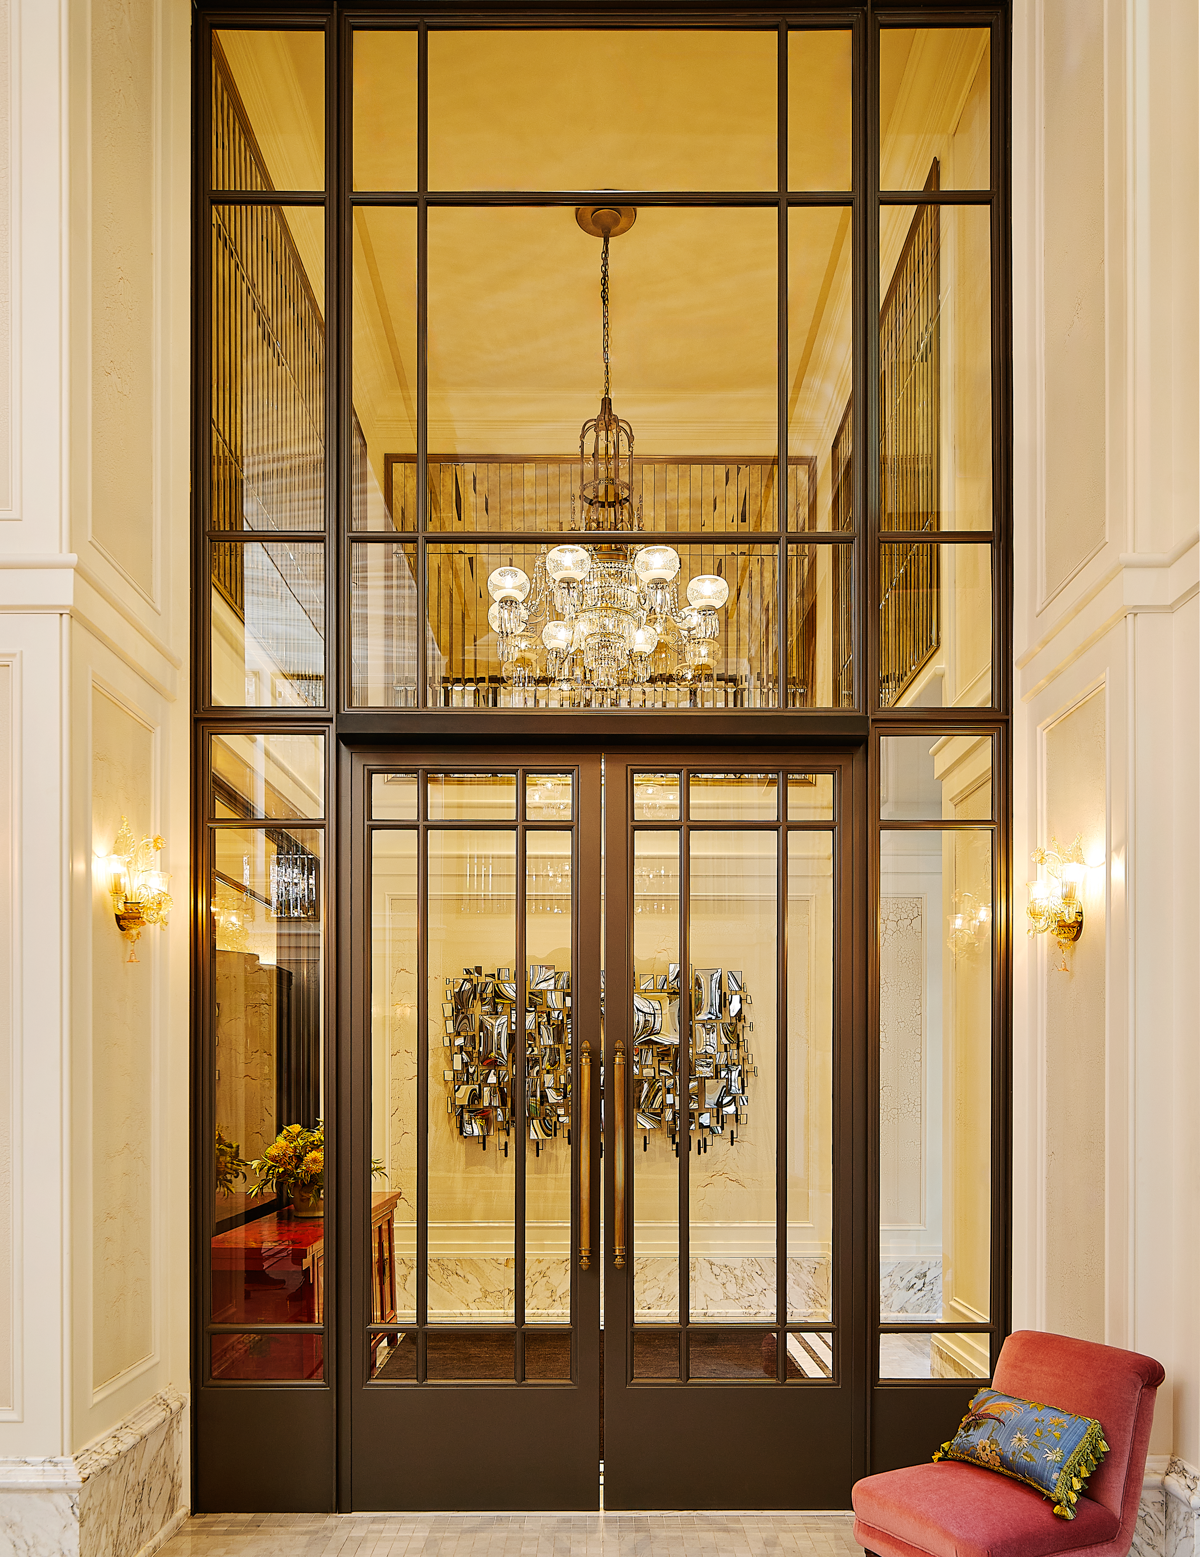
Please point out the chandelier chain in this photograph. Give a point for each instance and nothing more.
(604, 307)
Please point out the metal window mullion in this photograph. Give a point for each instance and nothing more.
(782, 922)
(683, 1102)
(422, 1079)
(517, 1109)
(422, 493)
(782, 468)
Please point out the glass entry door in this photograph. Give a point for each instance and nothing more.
(475, 1258)
(492, 1054)
(732, 1368)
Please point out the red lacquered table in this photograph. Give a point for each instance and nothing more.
(279, 1262)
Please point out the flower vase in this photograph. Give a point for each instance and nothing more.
(308, 1201)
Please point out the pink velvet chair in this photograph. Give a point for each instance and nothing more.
(956, 1510)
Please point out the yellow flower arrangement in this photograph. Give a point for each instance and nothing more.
(295, 1160)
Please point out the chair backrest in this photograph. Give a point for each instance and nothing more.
(1115, 1387)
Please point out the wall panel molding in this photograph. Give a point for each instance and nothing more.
(10, 1091)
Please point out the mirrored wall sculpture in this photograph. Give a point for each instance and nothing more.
(721, 1061)
(479, 1026)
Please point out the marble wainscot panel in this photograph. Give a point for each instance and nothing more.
(122, 1496)
(131, 1498)
(1168, 1522)
(911, 1285)
(740, 1287)
(39, 1508)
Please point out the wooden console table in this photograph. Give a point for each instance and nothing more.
(278, 1262)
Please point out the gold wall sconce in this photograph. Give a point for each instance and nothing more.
(137, 887)
(1055, 907)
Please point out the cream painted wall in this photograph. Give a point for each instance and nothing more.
(94, 724)
(1105, 282)
(9, 1136)
(121, 1113)
(123, 369)
(1073, 761)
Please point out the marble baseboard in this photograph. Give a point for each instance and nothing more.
(120, 1497)
(1168, 1522)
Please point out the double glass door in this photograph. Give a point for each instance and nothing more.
(604, 1204)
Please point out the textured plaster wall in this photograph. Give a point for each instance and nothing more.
(123, 371)
(8, 1250)
(1075, 802)
(1074, 284)
(1106, 408)
(122, 1066)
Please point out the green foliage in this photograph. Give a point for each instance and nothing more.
(296, 1159)
(230, 1167)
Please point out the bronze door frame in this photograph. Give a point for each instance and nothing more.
(787, 1445)
(463, 1446)
(799, 1444)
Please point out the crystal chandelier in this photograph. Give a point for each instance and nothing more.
(603, 617)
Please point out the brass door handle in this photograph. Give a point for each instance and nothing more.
(619, 1155)
(585, 1156)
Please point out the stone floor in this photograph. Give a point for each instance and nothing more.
(513, 1535)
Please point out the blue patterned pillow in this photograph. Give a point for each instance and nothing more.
(1048, 1449)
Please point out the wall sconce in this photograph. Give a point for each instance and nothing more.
(137, 887)
(1055, 906)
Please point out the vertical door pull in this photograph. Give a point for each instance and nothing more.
(585, 1156)
(619, 1155)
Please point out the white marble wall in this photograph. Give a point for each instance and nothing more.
(739, 1287)
(122, 1496)
(1169, 1515)
(39, 1508)
(910, 1286)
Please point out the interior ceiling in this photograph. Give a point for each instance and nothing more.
(514, 312)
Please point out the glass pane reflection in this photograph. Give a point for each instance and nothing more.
(472, 1035)
(810, 797)
(678, 109)
(729, 1354)
(934, 103)
(733, 797)
(935, 368)
(268, 624)
(470, 1354)
(656, 1354)
(819, 108)
(935, 625)
(392, 1254)
(654, 1076)
(732, 927)
(385, 109)
(294, 1355)
(267, 1244)
(924, 1354)
(394, 797)
(928, 777)
(935, 1063)
(820, 348)
(268, 776)
(810, 923)
(268, 110)
(549, 1023)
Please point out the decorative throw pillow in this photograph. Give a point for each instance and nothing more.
(1048, 1449)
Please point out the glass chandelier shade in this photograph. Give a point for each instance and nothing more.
(605, 615)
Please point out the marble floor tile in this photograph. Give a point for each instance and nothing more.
(513, 1535)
